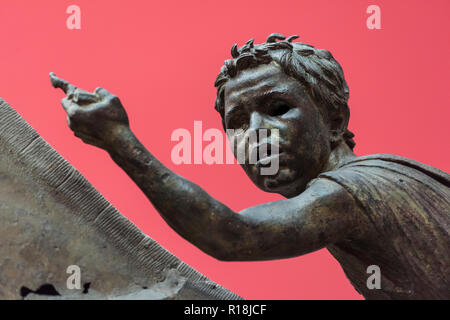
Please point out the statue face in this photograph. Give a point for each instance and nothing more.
(265, 97)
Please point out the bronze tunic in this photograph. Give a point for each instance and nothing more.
(406, 208)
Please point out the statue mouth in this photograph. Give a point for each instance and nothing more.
(268, 159)
(264, 154)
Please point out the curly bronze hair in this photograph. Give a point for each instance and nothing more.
(315, 69)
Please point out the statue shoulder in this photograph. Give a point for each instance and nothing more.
(397, 165)
(380, 182)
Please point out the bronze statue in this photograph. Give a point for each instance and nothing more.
(381, 210)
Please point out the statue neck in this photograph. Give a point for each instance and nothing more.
(339, 156)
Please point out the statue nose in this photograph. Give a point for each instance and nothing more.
(258, 122)
(255, 120)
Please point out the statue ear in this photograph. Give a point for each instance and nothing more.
(337, 125)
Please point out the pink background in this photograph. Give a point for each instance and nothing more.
(161, 58)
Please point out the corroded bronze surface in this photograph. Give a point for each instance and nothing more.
(52, 218)
(379, 210)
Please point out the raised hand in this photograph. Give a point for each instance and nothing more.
(97, 118)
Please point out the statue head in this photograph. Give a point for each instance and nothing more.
(294, 88)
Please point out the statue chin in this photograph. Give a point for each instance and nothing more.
(285, 182)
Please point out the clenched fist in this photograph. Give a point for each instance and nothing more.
(97, 118)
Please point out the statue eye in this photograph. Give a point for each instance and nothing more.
(278, 109)
(238, 120)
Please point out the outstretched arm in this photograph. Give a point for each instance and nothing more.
(321, 215)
